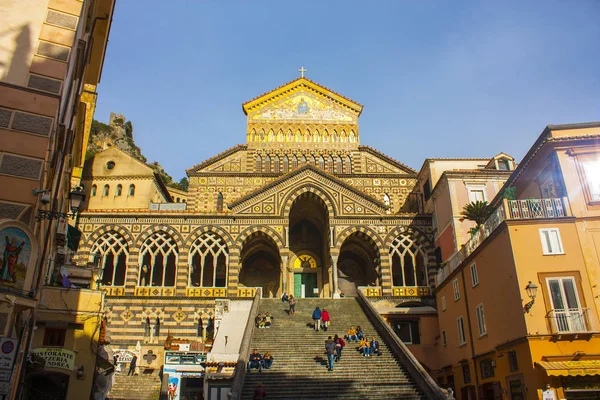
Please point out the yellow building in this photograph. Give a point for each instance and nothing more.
(518, 304)
(51, 59)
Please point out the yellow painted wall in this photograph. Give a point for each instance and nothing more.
(58, 308)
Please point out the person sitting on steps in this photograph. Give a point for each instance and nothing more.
(268, 319)
(364, 348)
(352, 334)
(359, 332)
(258, 320)
(374, 347)
(267, 360)
(255, 361)
(285, 298)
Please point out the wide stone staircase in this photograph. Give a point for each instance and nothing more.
(299, 368)
(138, 387)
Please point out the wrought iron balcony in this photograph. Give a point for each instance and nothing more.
(509, 209)
(571, 320)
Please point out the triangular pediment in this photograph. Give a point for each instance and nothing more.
(276, 197)
(302, 100)
(230, 160)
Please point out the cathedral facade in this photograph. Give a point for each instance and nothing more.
(301, 208)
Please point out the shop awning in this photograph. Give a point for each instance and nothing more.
(571, 368)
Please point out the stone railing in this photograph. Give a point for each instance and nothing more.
(206, 292)
(412, 366)
(113, 290)
(240, 369)
(248, 291)
(408, 291)
(509, 209)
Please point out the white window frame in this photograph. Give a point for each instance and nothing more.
(474, 275)
(460, 324)
(444, 339)
(481, 320)
(443, 303)
(476, 188)
(456, 290)
(545, 249)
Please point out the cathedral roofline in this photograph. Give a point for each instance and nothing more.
(216, 158)
(387, 158)
(299, 171)
(353, 105)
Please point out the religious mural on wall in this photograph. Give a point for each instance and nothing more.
(15, 253)
(304, 106)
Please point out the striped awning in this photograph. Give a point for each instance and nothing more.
(571, 368)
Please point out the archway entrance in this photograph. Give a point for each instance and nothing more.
(261, 264)
(358, 264)
(309, 246)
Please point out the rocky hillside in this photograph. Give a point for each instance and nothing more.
(119, 133)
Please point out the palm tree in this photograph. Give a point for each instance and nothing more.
(477, 211)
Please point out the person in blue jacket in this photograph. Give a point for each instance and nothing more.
(317, 318)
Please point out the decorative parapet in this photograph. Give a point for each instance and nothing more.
(247, 291)
(206, 292)
(113, 290)
(154, 291)
(407, 291)
(371, 291)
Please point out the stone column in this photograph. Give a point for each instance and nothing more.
(334, 260)
(284, 273)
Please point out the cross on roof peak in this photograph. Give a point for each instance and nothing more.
(302, 70)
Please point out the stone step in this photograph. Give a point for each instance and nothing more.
(142, 387)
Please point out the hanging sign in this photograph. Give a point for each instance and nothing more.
(56, 358)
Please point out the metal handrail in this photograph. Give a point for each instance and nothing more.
(569, 320)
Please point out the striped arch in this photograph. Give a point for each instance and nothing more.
(425, 244)
(266, 230)
(156, 228)
(204, 229)
(345, 234)
(98, 233)
(291, 198)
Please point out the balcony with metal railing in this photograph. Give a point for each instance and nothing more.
(570, 320)
(508, 210)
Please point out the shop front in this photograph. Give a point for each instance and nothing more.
(579, 380)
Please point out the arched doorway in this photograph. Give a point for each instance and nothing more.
(261, 264)
(358, 264)
(309, 246)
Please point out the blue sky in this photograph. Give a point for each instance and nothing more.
(437, 78)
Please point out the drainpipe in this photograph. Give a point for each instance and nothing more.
(471, 342)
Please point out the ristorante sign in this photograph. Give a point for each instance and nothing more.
(56, 358)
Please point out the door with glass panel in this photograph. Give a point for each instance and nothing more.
(567, 314)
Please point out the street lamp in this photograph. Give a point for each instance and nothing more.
(76, 198)
(531, 290)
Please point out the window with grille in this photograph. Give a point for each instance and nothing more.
(54, 337)
(347, 165)
(408, 262)
(208, 261)
(322, 163)
(267, 163)
(294, 160)
(112, 250)
(408, 331)
(258, 166)
(286, 164)
(276, 163)
(551, 242)
(158, 256)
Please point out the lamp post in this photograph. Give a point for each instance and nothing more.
(76, 198)
(531, 290)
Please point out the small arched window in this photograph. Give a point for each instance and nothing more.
(286, 164)
(220, 202)
(347, 165)
(294, 161)
(258, 163)
(94, 189)
(321, 163)
(119, 190)
(338, 165)
(276, 163)
(132, 189)
(329, 164)
(268, 163)
(106, 190)
(303, 159)
(334, 137)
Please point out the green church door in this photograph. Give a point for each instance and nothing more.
(304, 285)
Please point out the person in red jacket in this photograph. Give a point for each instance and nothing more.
(325, 319)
